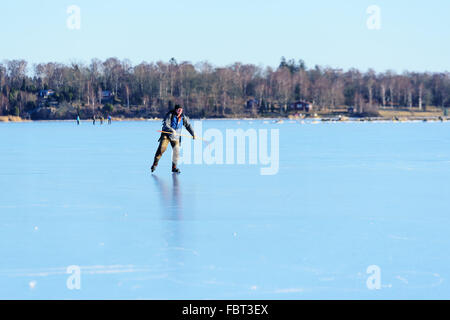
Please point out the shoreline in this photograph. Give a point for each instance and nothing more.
(279, 120)
(341, 114)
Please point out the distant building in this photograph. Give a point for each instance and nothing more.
(46, 98)
(44, 94)
(252, 103)
(301, 106)
(107, 96)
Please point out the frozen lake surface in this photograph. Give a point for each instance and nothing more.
(347, 196)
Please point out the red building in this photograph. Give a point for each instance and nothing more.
(301, 106)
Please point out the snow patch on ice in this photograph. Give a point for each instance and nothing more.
(97, 269)
(395, 237)
(404, 280)
(289, 290)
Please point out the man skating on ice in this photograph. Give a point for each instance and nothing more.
(173, 122)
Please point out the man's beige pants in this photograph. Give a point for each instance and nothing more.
(163, 143)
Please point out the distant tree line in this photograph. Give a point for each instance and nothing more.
(149, 89)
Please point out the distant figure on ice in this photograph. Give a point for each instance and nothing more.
(173, 122)
(109, 119)
(78, 119)
(93, 119)
(101, 120)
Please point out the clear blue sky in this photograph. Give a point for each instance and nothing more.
(414, 35)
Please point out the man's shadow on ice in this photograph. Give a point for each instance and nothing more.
(171, 203)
